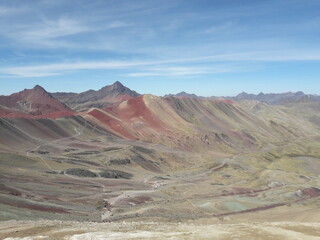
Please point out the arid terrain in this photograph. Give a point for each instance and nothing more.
(113, 164)
(156, 230)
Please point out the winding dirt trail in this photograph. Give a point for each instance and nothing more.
(105, 212)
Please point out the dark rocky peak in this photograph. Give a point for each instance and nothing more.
(117, 85)
(38, 89)
(119, 88)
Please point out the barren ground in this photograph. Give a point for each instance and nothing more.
(25, 230)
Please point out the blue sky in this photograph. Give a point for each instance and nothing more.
(207, 47)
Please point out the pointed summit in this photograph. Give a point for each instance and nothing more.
(118, 89)
(101, 98)
(34, 102)
(39, 89)
(117, 84)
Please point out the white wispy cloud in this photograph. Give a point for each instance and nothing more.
(179, 66)
(58, 69)
(179, 71)
(53, 29)
(143, 74)
(5, 11)
(51, 32)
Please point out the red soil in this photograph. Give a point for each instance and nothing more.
(129, 111)
(311, 192)
(113, 123)
(32, 102)
(136, 108)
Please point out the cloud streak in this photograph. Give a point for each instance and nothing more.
(170, 67)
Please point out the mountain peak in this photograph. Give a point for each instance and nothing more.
(183, 94)
(242, 94)
(34, 102)
(38, 88)
(117, 84)
(118, 88)
(101, 98)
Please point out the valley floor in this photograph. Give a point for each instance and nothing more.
(141, 190)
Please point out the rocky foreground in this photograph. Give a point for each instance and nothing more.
(34, 230)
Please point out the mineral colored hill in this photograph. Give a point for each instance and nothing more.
(32, 103)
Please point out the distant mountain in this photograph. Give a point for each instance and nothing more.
(278, 98)
(99, 99)
(32, 102)
(270, 98)
(183, 95)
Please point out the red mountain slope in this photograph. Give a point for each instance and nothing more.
(130, 119)
(184, 123)
(32, 103)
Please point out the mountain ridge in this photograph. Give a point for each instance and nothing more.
(33, 102)
(270, 98)
(183, 94)
(101, 98)
(278, 98)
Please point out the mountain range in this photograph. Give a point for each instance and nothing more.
(170, 120)
(114, 154)
(37, 101)
(278, 98)
(270, 98)
(101, 98)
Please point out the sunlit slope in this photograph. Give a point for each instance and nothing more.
(190, 123)
(20, 134)
(211, 159)
(298, 119)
